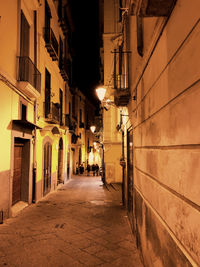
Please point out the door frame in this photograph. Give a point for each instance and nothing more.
(26, 138)
(60, 161)
(46, 140)
(17, 144)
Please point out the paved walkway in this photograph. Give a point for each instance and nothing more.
(81, 224)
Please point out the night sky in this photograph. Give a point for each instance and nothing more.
(86, 45)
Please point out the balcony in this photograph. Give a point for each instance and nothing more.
(51, 43)
(72, 127)
(152, 8)
(63, 68)
(52, 112)
(62, 18)
(29, 78)
(121, 94)
(121, 77)
(70, 124)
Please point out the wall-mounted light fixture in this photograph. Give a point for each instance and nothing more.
(92, 128)
(101, 91)
(106, 102)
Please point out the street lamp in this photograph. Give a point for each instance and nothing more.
(92, 128)
(106, 102)
(101, 91)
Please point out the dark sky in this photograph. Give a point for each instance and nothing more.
(86, 45)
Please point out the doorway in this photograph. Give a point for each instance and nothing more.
(20, 185)
(47, 168)
(74, 163)
(60, 161)
(17, 177)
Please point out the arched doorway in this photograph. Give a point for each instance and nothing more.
(60, 162)
(47, 167)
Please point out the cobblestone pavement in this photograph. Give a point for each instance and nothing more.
(81, 224)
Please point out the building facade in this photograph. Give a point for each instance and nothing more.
(112, 139)
(159, 39)
(43, 115)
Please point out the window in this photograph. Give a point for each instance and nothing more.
(80, 115)
(61, 54)
(24, 36)
(47, 92)
(47, 15)
(61, 107)
(69, 109)
(140, 45)
(23, 111)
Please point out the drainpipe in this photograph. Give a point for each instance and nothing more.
(123, 169)
(34, 156)
(35, 115)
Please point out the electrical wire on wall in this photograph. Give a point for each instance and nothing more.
(14, 88)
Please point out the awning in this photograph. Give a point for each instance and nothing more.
(25, 124)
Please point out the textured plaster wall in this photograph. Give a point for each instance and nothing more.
(112, 154)
(111, 118)
(166, 139)
(9, 41)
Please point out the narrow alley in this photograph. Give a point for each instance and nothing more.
(83, 223)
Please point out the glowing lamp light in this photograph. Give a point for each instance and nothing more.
(101, 93)
(92, 128)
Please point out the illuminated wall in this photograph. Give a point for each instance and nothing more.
(165, 118)
(112, 138)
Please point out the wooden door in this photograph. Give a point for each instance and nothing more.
(47, 168)
(17, 176)
(60, 162)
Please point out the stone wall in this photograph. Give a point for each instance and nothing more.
(166, 136)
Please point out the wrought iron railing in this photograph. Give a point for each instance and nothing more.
(29, 73)
(63, 68)
(70, 123)
(121, 69)
(50, 40)
(122, 81)
(52, 112)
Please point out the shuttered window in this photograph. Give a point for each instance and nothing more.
(24, 38)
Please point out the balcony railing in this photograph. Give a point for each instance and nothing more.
(29, 73)
(70, 124)
(51, 43)
(122, 81)
(52, 112)
(121, 75)
(62, 18)
(63, 65)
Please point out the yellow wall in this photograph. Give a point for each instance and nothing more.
(9, 39)
(5, 126)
